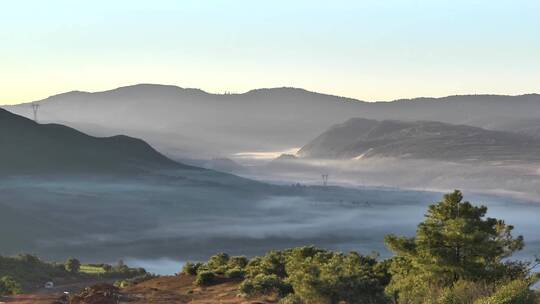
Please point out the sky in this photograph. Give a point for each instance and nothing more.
(370, 50)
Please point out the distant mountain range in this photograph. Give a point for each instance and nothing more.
(28, 147)
(363, 138)
(191, 122)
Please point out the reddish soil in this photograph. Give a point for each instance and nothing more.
(180, 289)
(168, 289)
(32, 299)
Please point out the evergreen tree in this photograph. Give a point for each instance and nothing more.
(454, 242)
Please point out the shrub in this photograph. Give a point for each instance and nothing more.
(272, 263)
(330, 277)
(465, 292)
(318, 276)
(8, 286)
(205, 278)
(73, 265)
(218, 263)
(218, 260)
(238, 262)
(191, 268)
(291, 299)
(121, 284)
(515, 292)
(264, 284)
(235, 273)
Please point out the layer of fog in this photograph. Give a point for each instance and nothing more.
(155, 222)
(520, 180)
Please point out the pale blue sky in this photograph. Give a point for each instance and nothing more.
(371, 50)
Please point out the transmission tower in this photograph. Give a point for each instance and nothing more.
(35, 108)
(325, 179)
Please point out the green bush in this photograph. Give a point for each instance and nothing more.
(318, 275)
(464, 292)
(235, 273)
(73, 265)
(8, 286)
(191, 268)
(218, 260)
(205, 278)
(291, 299)
(515, 292)
(237, 262)
(330, 277)
(122, 284)
(272, 263)
(264, 284)
(218, 263)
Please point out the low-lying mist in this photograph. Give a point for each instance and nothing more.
(516, 179)
(154, 221)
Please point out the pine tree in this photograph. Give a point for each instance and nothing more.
(454, 242)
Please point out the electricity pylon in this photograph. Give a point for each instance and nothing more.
(35, 107)
(325, 179)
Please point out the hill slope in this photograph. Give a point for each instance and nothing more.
(421, 140)
(266, 119)
(28, 147)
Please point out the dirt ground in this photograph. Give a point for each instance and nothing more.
(32, 299)
(167, 289)
(180, 289)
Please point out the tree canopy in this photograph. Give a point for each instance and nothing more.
(456, 241)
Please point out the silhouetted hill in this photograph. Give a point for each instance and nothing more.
(193, 123)
(421, 140)
(28, 147)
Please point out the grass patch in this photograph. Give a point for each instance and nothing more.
(90, 269)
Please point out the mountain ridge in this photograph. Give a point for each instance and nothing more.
(270, 89)
(190, 123)
(364, 138)
(29, 147)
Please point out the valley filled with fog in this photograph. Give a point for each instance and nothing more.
(513, 180)
(161, 220)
